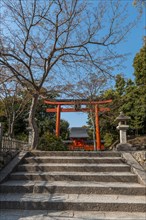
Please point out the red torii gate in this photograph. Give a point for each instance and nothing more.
(77, 104)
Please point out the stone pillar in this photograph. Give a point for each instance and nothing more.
(123, 137)
(1, 134)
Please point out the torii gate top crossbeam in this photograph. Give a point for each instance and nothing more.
(72, 102)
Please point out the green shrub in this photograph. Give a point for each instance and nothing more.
(49, 142)
(108, 139)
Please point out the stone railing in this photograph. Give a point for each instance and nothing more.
(10, 144)
(9, 148)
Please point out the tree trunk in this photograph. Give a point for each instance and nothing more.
(9, 127)
(12, 126)
(32, 122)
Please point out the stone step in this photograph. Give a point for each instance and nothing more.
(45, 167)
(75, 183)
(71, 187)
(68, 215)
(69, 159)
(9, 214)
(76, 153)
(76, 176)
(77, 202)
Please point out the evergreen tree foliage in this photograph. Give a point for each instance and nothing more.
(120, 84)
(128, 96)
(139, 65)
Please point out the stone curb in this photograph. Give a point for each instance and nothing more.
(11, 165)
(135, 167)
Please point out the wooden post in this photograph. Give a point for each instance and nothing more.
(58, 121)
(98, 142)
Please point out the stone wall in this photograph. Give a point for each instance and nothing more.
(139, 143)
(6, 157)
(140, 156)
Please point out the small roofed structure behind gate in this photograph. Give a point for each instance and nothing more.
(79, 137)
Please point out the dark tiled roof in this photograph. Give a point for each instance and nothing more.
(78, 132)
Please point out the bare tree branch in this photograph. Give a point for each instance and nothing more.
(44, 41)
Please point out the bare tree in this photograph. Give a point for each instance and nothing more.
(43, 40)
(14, 100)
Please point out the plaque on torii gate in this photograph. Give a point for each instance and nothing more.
(77, 108)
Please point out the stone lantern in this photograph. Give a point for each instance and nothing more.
(122, 127)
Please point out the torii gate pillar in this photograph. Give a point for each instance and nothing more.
(58, 121)
(98, 139)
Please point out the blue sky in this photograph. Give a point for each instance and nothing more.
(132, 45)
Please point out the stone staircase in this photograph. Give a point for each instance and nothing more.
(72, 185)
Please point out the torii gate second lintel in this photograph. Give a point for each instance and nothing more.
(97, 109)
